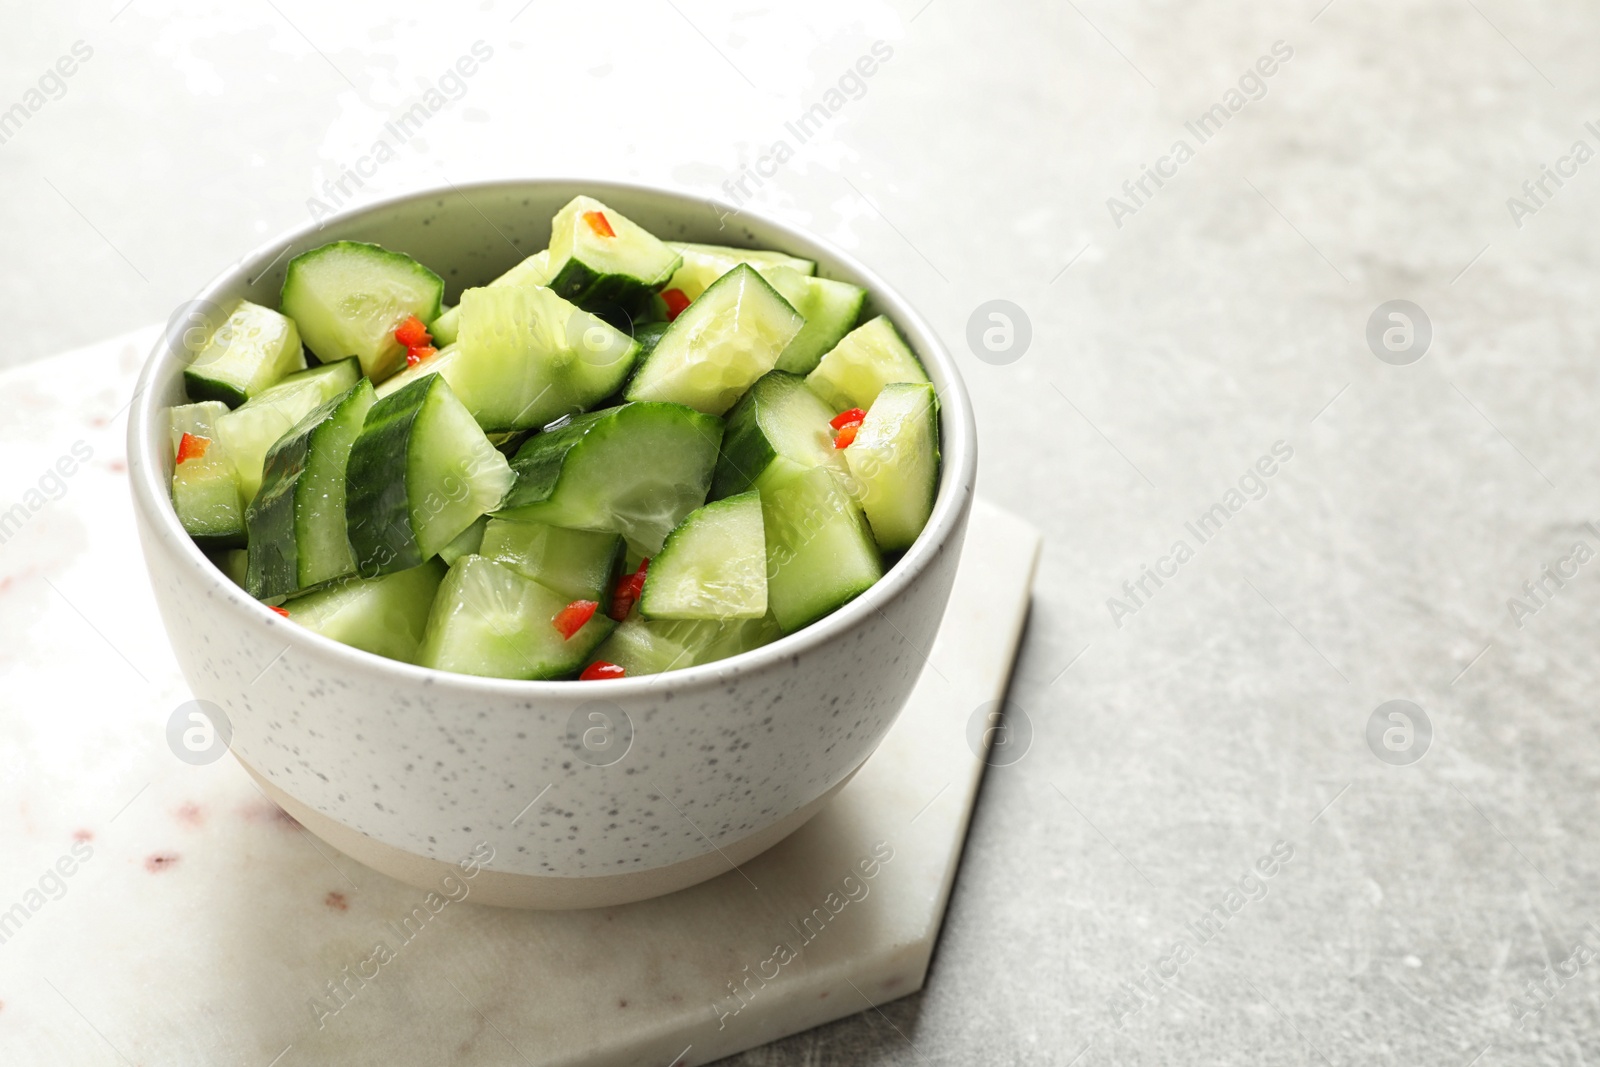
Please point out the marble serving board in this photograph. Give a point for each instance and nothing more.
(154, 912)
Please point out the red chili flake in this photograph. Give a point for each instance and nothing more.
(417, 353)
(192, 447)
(627, 590)
(846, 435)
(676, 301)
(599, 223)
(281, 611)
(846, 417)
(412, 332)
(600, 670)
(570, 619)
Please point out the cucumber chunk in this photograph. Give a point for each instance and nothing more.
(535, 270)
(526, 357)
(385, 616)
(713, 566)
(578, 564)
(600, 257)
(467, 542)
(348, 297)
(420, 473)
(704, 264)
(871, 356)
(252, 349)
(777, 431)
(719, 345)
(831, 309)
(205, 492)
(636, 470)
(894, 462)
(643, 646)
(489, 620)
(253, 427)
(297, 520)
(820, 552)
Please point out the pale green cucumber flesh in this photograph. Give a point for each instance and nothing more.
(205, 491)
(830, 307)
(713, 566)
(595, 271)
(253, 348)
(820, 552)
(385, 616)
(637, 470)
(869, 357)
(719, 345)
(252, 428)
(348, 298)
(704, 264)
(643, 646)
(578, 564)
(894, 463)
(777, 430)
(491, 621)
(535, 270)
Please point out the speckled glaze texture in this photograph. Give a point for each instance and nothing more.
(432, 763)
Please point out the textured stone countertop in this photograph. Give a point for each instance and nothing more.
(1433, 876)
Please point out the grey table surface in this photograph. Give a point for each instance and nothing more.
(1437, 902)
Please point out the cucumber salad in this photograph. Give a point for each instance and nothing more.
(624, 456)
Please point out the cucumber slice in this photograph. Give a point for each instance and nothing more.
(467, 542)
(420, 473)
(434, 364)
(385, 616)
(252, 349)
(831, 309)
(578, 564)
(871, 356)
(704, 264)
(719, 345)
(527, 357)
(777, 431)
(713, 566)
(894, 462)
(535, 270)
(636, 470)
(489, 620)
(297, 521)
(205, 493)
(643, 646)
(253, 427)
(348, 297)
(820, 553)
(594, 268)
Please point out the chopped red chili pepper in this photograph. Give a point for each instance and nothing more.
(676, 301)
(570, 619)
(281, 611)
(599, 223)
(192, 447)
(417, 353)
(846, 435)
(627, 590)
(845, 417)
(412, 332)
(600, 670)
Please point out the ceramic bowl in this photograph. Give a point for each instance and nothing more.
(566, 794)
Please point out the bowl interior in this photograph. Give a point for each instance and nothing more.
(470, 234)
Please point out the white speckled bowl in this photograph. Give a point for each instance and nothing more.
(410, 770)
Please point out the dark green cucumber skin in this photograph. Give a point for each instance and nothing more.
(606, 295)
(746, 452)
(274, 567)
(375, 483)
(648, 334)
(200, 388)
(538, 462)
(218, 542)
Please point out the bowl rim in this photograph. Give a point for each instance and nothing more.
(958, 461)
